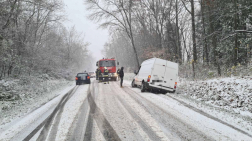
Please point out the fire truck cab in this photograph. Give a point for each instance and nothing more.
(111, 66)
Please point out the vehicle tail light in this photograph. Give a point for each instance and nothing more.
(148, 80)
(88, 77)
(76, 78)
(175, 86)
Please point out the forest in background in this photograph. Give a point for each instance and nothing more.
(208, 38)
(34, 41)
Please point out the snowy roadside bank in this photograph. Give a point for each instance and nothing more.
(22, 96)
(233, 94)
(228, 99)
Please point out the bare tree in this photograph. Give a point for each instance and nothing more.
(193, 33)
(205, 53)
(116, 15)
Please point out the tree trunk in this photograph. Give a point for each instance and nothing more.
(193, 32)
(193, 38)
(178, 50)
(11, 13)
(131, 34)
(135, 51)
(205, 53)
(235, 49)
(211, 8)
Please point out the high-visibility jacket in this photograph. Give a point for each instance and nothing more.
(106, 73)
(99, 72)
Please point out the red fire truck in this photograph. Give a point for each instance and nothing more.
(111, 66)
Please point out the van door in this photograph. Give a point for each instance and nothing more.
(170, 77)
(158, 72)
(137, 79)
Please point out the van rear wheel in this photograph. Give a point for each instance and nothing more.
(143, 87)
(133, 85)
(163, 92)
(173, 91)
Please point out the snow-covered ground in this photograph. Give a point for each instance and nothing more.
(18, 97)
(11, 129)
(233, 94)
(128, 114)
(193, 117)
(196, 103)
(227, 99)
(70, 111)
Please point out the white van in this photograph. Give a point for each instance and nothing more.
(156, 75)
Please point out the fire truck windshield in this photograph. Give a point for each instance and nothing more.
(107, 63)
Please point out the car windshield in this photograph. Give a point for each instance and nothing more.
(81, 74)
(107, 63)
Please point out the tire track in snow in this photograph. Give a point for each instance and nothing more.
(104, 126)
(83, 125)
(125, 125)
(152, 135)
(90, 120)
(50, 126)
(209, 116)
(78, 129)
(168, 122)
(48, 121)
(147, 127)
(54, 127)
(241, 132)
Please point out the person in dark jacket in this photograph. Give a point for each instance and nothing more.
(97, 74)
(121, 74)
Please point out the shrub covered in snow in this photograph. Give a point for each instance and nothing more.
(233, 94)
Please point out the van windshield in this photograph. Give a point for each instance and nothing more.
(107, 63)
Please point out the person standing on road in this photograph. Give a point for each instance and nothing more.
(106, 72)
(96, 74)
(99, 74)
(121, 74)
(118, 74)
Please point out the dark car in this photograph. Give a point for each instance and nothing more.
(82, 78)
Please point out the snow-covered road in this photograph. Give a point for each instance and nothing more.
(107, 112)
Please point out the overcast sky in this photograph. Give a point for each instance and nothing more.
(77, 16)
